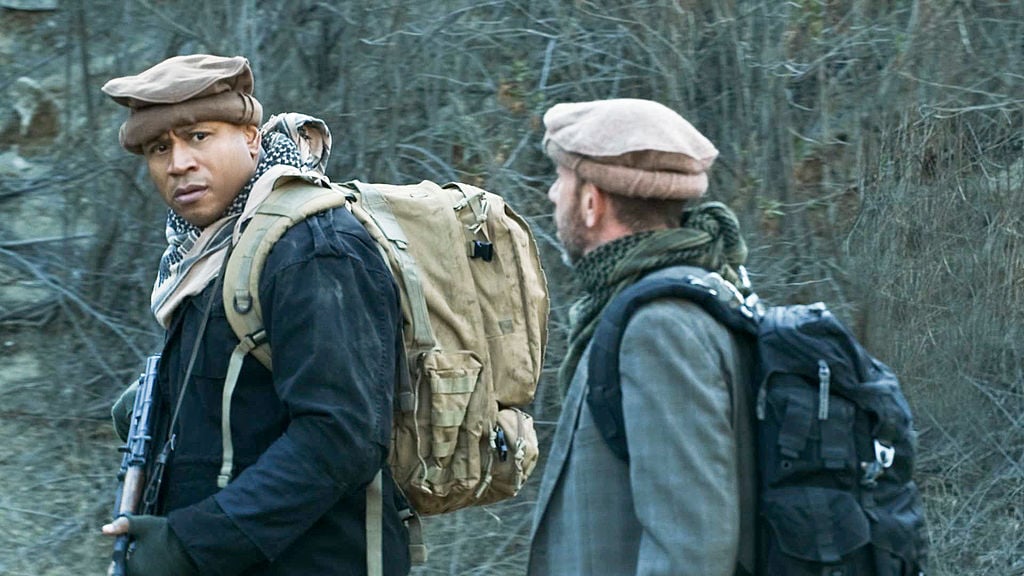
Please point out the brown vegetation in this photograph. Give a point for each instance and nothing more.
(873, 149)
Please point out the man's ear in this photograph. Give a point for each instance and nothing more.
(252, 139)
(593, 203)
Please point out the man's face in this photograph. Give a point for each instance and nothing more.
(569, 222)
(199, 169)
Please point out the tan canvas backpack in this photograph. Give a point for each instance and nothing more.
(475, 303)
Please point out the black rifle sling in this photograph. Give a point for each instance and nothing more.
(156, 478)
(604, 396)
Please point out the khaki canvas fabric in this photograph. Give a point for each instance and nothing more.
(475, 329)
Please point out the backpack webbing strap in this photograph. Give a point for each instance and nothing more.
(375, 530)
(291, 202)
(604, 396)
(476, 200)
(244, 347)
(417, 548)
(377, 209)
(288, 204)
(375, 526)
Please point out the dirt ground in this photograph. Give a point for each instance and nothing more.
(58, 461)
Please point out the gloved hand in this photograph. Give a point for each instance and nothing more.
(121, 412)
(157, 551)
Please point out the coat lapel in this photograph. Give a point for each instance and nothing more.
(562, 442)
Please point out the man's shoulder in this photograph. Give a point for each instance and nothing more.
(685, 311)
(332, 224)
(665, 317)
(678, 272)
(333, 233)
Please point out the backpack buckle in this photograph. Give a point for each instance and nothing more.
(484, 250)
(242, 301)
(884, 455)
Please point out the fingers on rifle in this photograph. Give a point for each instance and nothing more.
(117, 527)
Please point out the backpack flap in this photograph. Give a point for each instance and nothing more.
(512, 291)
(814, 526)
(795, 339)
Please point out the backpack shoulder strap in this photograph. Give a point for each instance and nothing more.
(291, 201)
(288, 204)
(604, 395)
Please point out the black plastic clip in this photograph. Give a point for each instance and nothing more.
(483, 250)
(500, 444)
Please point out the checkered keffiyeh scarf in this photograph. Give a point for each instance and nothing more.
(708, 237)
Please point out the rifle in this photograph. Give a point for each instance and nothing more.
(137, 455)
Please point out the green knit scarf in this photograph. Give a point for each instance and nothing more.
(708, 237)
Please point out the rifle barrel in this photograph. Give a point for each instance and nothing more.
(137, 455)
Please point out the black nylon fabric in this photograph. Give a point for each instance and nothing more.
(307, 438)
(820, 512)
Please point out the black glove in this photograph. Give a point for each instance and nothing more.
(157, 551)
(121, 412)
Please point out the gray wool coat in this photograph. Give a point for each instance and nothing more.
(684, 504)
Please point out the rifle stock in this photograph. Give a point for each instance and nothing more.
(136, 459)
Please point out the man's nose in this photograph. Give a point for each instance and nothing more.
(181, 159)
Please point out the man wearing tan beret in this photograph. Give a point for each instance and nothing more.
(630, 174)
(284, 489)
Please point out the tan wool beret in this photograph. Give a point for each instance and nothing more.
(630, 147)
(184, 90)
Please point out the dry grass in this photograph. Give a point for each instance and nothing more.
(945, 280)
(57, 463)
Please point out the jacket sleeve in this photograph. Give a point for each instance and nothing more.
(333, 319)
(683, 470)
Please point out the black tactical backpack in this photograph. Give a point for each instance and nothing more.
(836, 442)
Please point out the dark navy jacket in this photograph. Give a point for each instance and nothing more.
(307, 438)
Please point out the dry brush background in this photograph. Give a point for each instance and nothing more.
(874, 150)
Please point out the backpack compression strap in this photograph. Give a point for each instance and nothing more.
(604, 395)
(373, 211)
(291, 201)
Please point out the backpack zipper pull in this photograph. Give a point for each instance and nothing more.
(762, 400)
(824, 381)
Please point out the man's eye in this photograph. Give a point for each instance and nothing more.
(156, 149)
(200, 136)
